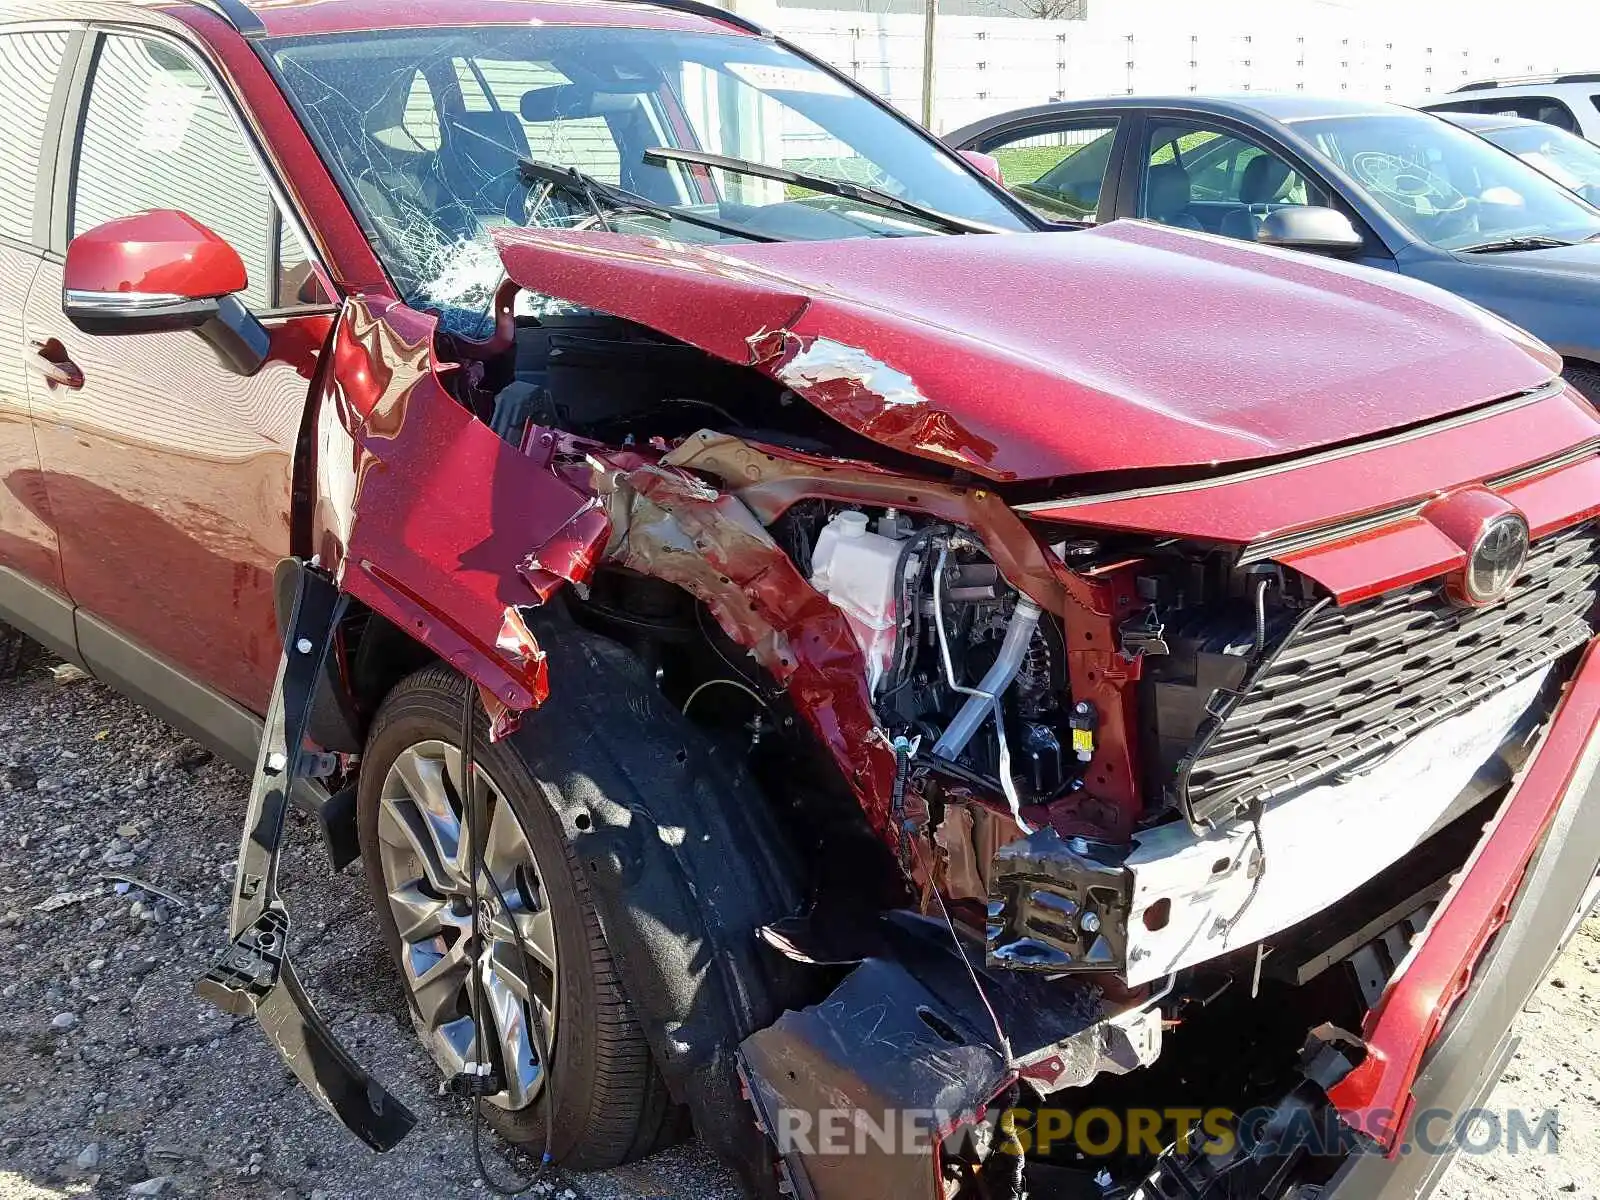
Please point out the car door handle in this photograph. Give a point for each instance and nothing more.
(49, 358)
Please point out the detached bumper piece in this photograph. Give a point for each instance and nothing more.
(254, 976)
(891, 1087)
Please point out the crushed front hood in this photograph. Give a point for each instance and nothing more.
(1030, 355)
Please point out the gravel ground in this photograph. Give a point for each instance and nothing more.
(115, 1079)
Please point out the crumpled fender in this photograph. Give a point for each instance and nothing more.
(431, 519)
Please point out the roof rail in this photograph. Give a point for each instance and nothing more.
(244, 19)
(238, 14)
(1486, 85)
(700, 8)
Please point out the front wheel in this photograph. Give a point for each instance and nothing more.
(554, 967)
(1586, 378)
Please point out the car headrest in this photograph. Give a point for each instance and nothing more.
(1168, 191)
(1263, 176)
(478, 159)
(490, 141)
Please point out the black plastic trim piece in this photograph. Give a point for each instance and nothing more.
(254, 976)
(110, 314)
(335, 724)
(73, 95)
(50, 151)
(711, 12)
(241, 16)
(335, 815)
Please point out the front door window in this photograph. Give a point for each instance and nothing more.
(1216, 181)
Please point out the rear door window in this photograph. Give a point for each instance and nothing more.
(29, 64)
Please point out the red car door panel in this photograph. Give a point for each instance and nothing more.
(169, 476)
(27, 538)
(30, 66)
(169, 479)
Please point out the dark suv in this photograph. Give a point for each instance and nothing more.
(787, 638)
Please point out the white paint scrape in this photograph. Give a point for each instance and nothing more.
(826, 361)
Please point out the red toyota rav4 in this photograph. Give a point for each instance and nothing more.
(787, 638)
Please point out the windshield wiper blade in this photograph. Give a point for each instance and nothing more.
(858, 192)
(595, 192)
(1533, 242)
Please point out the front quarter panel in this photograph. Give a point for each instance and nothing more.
(421, 509)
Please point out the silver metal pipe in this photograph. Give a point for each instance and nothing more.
(984, 699)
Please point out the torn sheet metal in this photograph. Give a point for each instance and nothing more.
(432, 520)
(1058, 905)
(518, 643)
(826, 362)
(767, 480)
(1209, 895)
(669, 524)
(1034, 350)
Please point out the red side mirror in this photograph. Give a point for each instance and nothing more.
(161, 271)
(987, 163)
(160, 253)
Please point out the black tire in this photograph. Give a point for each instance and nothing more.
(1586, 378)
(18, 651)
(610, 1102)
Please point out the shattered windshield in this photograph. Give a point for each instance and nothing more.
(427, 131)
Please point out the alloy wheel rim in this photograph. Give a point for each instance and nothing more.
(426, 862)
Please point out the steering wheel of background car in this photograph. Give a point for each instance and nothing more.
(1412, 185)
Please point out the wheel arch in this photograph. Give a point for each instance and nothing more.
(1585, 376)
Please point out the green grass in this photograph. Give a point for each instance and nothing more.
(1024, 164)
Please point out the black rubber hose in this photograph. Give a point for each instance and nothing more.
(476, 817)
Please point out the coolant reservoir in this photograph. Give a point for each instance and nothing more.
(855, 569)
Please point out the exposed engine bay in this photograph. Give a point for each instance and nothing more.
(945, 643)
(1059, 794)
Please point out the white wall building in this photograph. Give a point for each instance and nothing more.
(1397, 50)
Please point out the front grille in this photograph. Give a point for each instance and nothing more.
(1347, 685)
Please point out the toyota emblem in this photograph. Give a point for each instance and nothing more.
(1493, 537)
(1495, 560)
